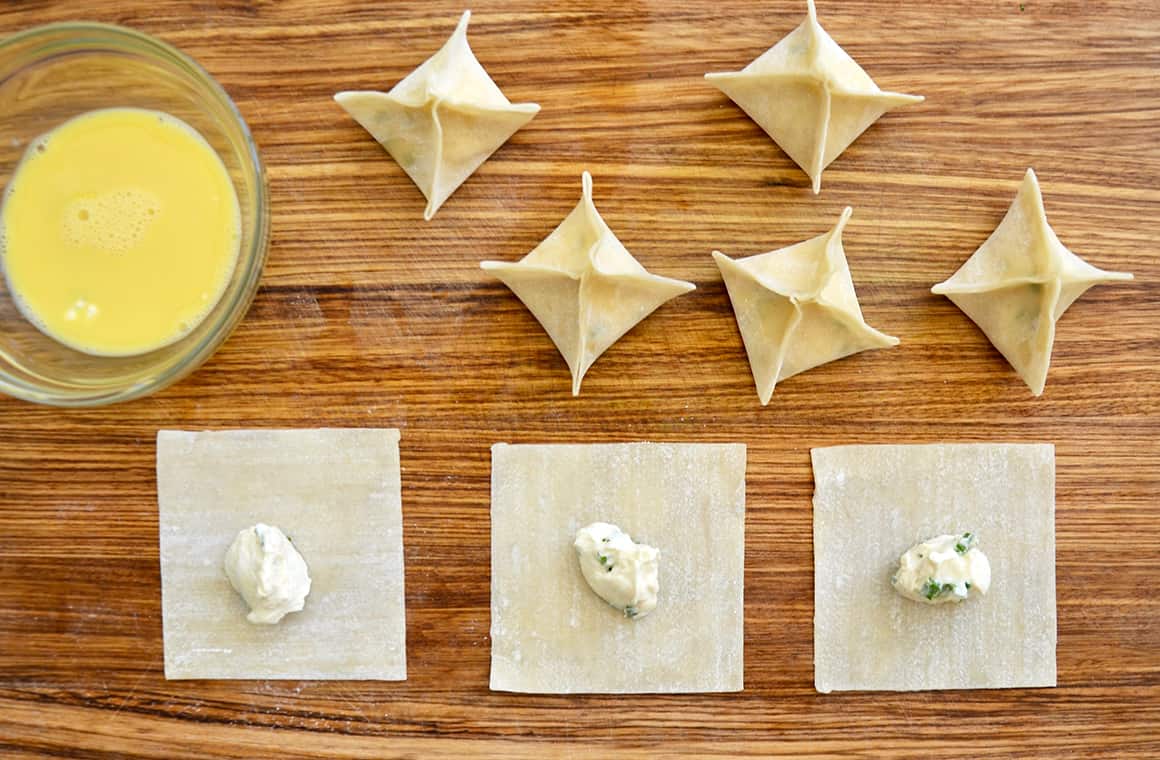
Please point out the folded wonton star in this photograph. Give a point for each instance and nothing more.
(809, 96)
(586, 289)
(443, 120)
(797, 309)
(1020, 282)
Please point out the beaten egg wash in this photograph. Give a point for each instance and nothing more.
(120, 231)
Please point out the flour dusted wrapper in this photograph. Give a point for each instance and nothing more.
(871, 503)
(584, 286)
(443, 120)
(336, 493)
(810, 96)
(797, 309)
(1020, 282)
(551, 635)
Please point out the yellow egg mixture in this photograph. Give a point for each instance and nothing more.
(120, 231)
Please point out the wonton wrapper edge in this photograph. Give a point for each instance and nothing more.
(773, 307)
(587, 294)
(409, 118)
(551, 634)
(809, 96)
(336, 493)
(871, 504)
(997, 288)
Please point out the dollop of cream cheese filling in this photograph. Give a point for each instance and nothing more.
(943, 569)
(269, 573)
(620, 571)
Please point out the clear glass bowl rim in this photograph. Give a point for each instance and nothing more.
(250, 261)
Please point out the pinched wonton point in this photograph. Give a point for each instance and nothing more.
(797, 309)
(810, 96)
(443, 120)
(584, 286)
(1020, 282)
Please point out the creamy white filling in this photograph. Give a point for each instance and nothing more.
(269, 573)
(620, 571)
(948, 568)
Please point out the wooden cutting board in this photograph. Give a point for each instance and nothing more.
(368, 316)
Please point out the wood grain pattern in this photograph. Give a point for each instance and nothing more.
(369, 317)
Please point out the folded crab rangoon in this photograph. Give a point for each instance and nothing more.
(443, 120)
(810, 96)
(797, 309)
(584, 286)
(1020, 282)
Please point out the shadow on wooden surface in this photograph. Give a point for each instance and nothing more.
(370, 317)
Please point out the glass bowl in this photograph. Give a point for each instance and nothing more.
(52, 73)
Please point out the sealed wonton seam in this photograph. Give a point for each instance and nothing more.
(584, 287)
(442, 121)
(789, 324)
(1018, 284)
(810, 96)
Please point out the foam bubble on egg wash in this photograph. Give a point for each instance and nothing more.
(116, 221)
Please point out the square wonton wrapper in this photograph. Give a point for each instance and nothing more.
(336, 493)
(871, 504)
(551, 634)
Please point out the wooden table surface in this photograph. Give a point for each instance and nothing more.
(367, 316)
